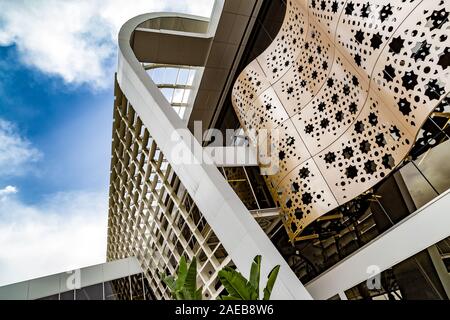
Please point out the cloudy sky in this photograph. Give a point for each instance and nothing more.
(57, 61)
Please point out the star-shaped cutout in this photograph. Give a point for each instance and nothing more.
(389, 73)
(444, 58)
(346, 89)
(437, 19)
(380, 140)
(330, 157)
(395, 133)
(321, 106)
(294, 227)
(330, 82)
(365, 11)
(335, 98)
(358, 60)
(298, 214)
(359, 127)
(370, 167)
(359, 36)
(376, 41)
(421, 51)
(373, 119)
(404, 106)
(434, 91)
(351, 172)
(396, 45)
(304, 173)
(289, 203)
(324, 123)
(290, 141)
(353, 108)
(409, 80)
(347, 153)
(306, 198)
(388, 161)
(339, 116)
(349, 8)
(309, 128)
(385, 12)
(334, 7)
(364, 146)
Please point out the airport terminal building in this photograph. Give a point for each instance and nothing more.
(313, 133)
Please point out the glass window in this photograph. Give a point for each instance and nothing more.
(137, 288)
(68, 295)
(259, 186)
(53, 297)
(168, 93)
(118, 289)
(158, 75)
(186, 95)
(237, 179)
(178, 96)
(182, 112)
(147, 290)
(170, 76)
(183, 76)
(94, 292)
(190, 81)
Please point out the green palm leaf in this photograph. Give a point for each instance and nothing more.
(191, 279)
(255, 271)
(182, 273)
(236, 285)
(169, 281)
(271, 282)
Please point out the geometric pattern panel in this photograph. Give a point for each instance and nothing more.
(151, 214)
(348, 84)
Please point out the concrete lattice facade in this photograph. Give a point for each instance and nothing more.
(152, 216)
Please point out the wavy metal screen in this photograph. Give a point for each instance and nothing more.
(348, 84)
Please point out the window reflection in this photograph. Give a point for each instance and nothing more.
(94, 292)
(68, 295)
(137, 288)
(52, 297)
(147, 290)
(134, 287)
(118, 289)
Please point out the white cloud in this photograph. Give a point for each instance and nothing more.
(65, 232)
(8, 190)
(76, 39)
(17, 155)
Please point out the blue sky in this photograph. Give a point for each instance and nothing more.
(71, 128)
(57, 62)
